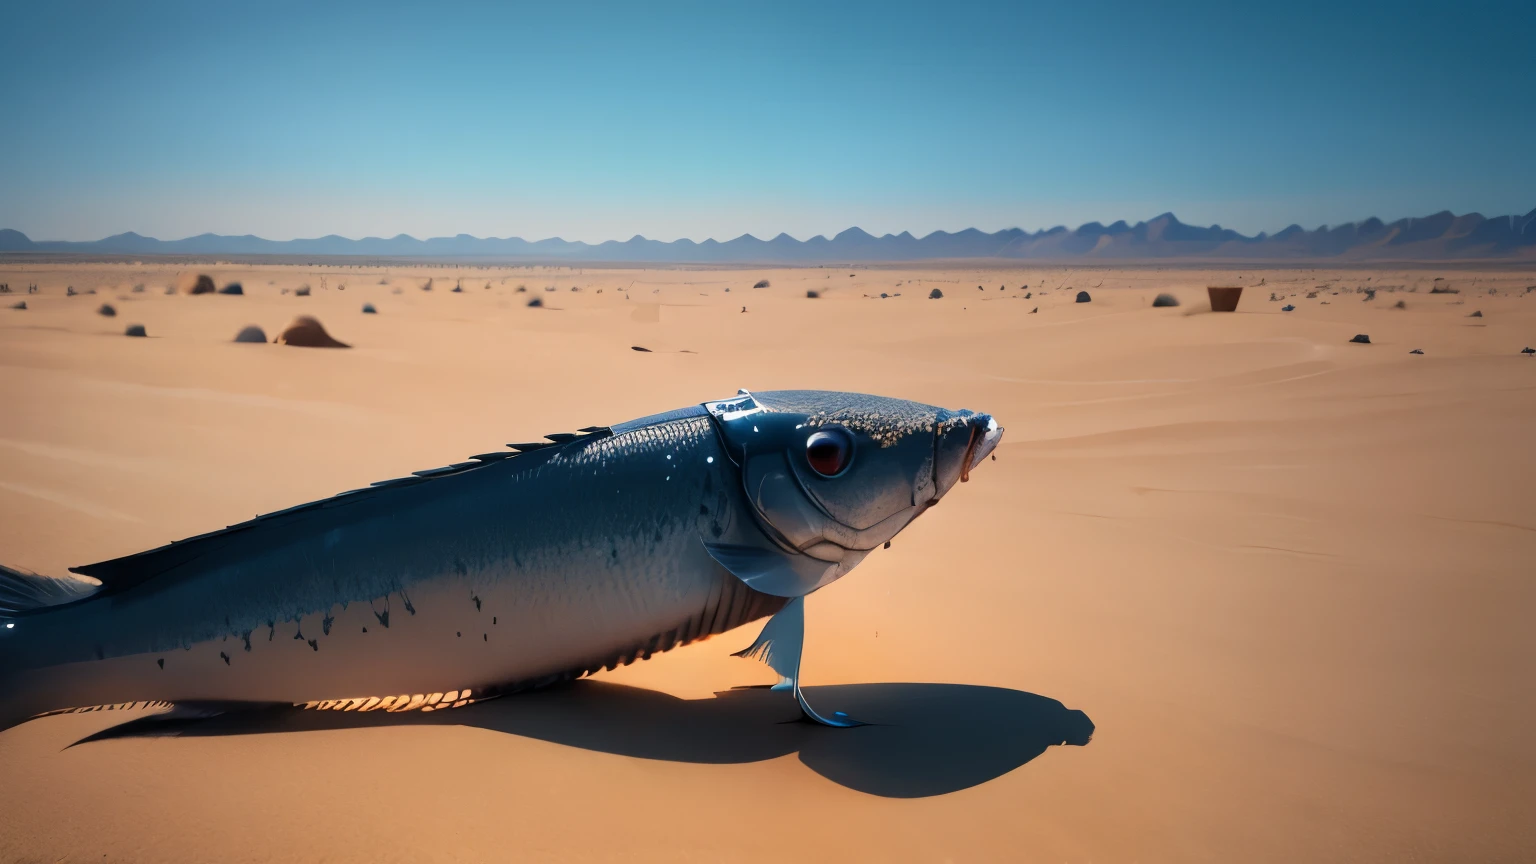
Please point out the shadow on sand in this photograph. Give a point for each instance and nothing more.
(924, 739)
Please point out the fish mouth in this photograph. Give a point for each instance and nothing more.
(959, 447)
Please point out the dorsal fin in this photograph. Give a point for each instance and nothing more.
(121, 574)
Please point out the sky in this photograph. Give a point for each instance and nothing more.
(594, 121)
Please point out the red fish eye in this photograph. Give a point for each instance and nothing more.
(829, 451)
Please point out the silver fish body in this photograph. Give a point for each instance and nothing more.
(508, 572)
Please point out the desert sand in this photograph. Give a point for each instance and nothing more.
(1286, 581)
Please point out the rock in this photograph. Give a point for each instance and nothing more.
(1528, 350)
(1034, 310)
(1362, 339)
(251, 333)
(20, 305)
(457, 289)
(761, 283)
(307, 332)
(107, 310)
(535, 303)
(301, 291)
(69, 291)
(1311, 295)
(135, 330)
(1161, 301)
(1288, 308)
(195, 283)
(883, 295)
(1477, 314)
(935, 294)
(1399, 305)
(233, 288)
(1028, 295)
(812, 294)
(369, 310)
(1444, 290)
(638, 348)
(1082, 297)
(1417, 351)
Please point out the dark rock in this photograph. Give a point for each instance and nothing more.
(234, 288)
(1362, 339)
(107, 310)
(1288, 308)
(251, 333)
(1082, 297)
(135, 330)
(935, 294)
(1034, 310)
(1528, 350)
(1161, 301)
(1477, 314)
(301, 291)
(22, 304)
(195, 283)
(1399, 305)
(638, 348)
(535, 303)
(812, 293)
(761, 283)
(307, 332)
(883, 295)
(1417, 351)
(369, 310)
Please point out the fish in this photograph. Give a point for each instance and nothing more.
(509, 571)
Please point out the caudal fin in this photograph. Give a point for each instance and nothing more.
(23, 592)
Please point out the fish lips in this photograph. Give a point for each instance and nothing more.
(961, 442)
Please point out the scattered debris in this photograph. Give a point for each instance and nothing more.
(935, 294)
(1311, 295)
(135, 330)
(1160, 301)
(307, 332)
(1361, 339)
(1370, 294)
(251, 333)
(1082, 297)
(106, 310)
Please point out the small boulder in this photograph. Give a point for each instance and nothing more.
(812, 294)
(195, 283)
(1161, 301)
(307, 332)
(1362, 339)
(301, 291)
(640, 349)
(535, 303)
(935, 294)
(761, 283)
(1082, 297)
(1288, 308)
(1417, 351)
(233, 288)
(369, 310)
(1528, 350)
(252, 333)
(135, 330)
(1399, 305)
(20, 305)
(106, 310)
(1477, 314)
(883, 295)
(1034, 310)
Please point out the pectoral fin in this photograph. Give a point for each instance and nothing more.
(772, 570)
(779, 647)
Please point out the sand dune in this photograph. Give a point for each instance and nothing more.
(1283, 580)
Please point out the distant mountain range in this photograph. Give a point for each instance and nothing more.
(1441, 236)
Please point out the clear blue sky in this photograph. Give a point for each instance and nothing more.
(595, 121)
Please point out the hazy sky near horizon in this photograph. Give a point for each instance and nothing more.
(600, 121)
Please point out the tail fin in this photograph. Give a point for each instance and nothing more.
(23, 592)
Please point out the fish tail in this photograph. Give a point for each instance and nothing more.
(24, 593)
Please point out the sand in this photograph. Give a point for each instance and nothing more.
(1287, 579)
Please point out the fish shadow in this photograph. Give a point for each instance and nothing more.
(922, 739)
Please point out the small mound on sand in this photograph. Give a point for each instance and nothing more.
(1361, 339)
(107, 310)
(369, 310)
(1528, 350)
(233, 288)
(301, 291)
(1400, 305)
(640, 349)
(761, 283)
(135, 330)
(535, 303)
(20, 305)
(195, 283)
(1163, 300)
(307, 332)
(1477, 314)
(251, 333)
(1417, 351)
(812, 293)
(935, 294)
(1288, 308)
(1082, 297)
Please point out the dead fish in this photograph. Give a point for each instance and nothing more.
(581, 552)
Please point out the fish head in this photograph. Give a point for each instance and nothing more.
(831, 476)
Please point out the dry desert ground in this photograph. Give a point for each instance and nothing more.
(1235, 589)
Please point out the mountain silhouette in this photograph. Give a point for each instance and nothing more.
(1440, 236)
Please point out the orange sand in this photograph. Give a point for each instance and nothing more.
(1288, 578)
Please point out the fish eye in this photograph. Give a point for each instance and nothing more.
(829, 451)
